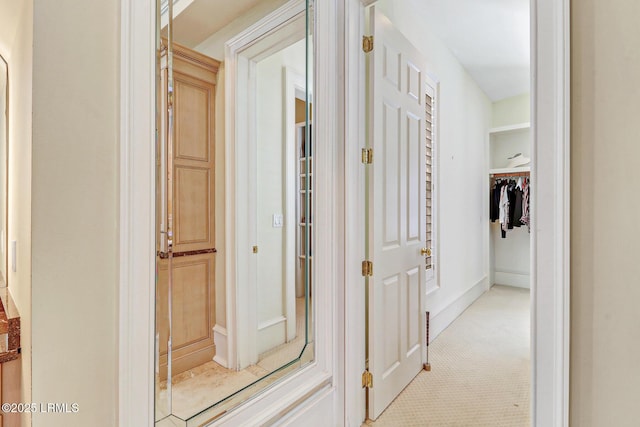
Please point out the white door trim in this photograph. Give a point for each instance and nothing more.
(550, 255)
(294, 87)
(550, 52)
(354, 134)
(137, 209)
(241, 56)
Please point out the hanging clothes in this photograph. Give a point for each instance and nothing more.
(526, 192)
(504, 210)
(517, 210)
(494, 201)
(509, 204)
(511, 194)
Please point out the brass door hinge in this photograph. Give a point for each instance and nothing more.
(367, 268)
(367, 43)
(367, 156)
(367, 379)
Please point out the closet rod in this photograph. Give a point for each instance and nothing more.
(508, 175)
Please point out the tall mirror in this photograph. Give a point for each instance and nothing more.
(4, 138)
(234, 202)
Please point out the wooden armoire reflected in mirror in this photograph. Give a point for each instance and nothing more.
(186, 210)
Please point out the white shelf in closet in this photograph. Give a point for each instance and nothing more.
(510, 170)
(506, 142)
(510, 128)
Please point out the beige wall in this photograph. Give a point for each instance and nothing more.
(16, 39)
(512, 111)
(75, 209)
(605, 236)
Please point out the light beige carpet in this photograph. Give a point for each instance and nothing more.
(480, 373)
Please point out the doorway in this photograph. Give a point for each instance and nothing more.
(483, 140)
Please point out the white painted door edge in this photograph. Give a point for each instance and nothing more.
(550, 48)
(137, 205)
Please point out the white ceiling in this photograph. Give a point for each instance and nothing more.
(195, 20)
(490, 38)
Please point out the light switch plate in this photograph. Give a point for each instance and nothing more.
(13, 255)
(278, 220)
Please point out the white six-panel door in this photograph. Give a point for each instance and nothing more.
(396, 186)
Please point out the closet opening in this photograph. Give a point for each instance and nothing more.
(448, 218)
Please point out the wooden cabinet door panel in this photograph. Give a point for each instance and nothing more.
(193, 315)
(193, 225)
(189, 206)
(193, 164)
(193, 128)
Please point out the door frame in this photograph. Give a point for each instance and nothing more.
(550, 103)
(242, 54)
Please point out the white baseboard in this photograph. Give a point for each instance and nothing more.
(220, 340)
(446, 316)
(271, 333)
(517, 280)
(271, 322)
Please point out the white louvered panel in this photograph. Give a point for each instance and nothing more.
(429, 112)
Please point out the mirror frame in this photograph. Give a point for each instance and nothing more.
(317, 381)
(284, 26)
